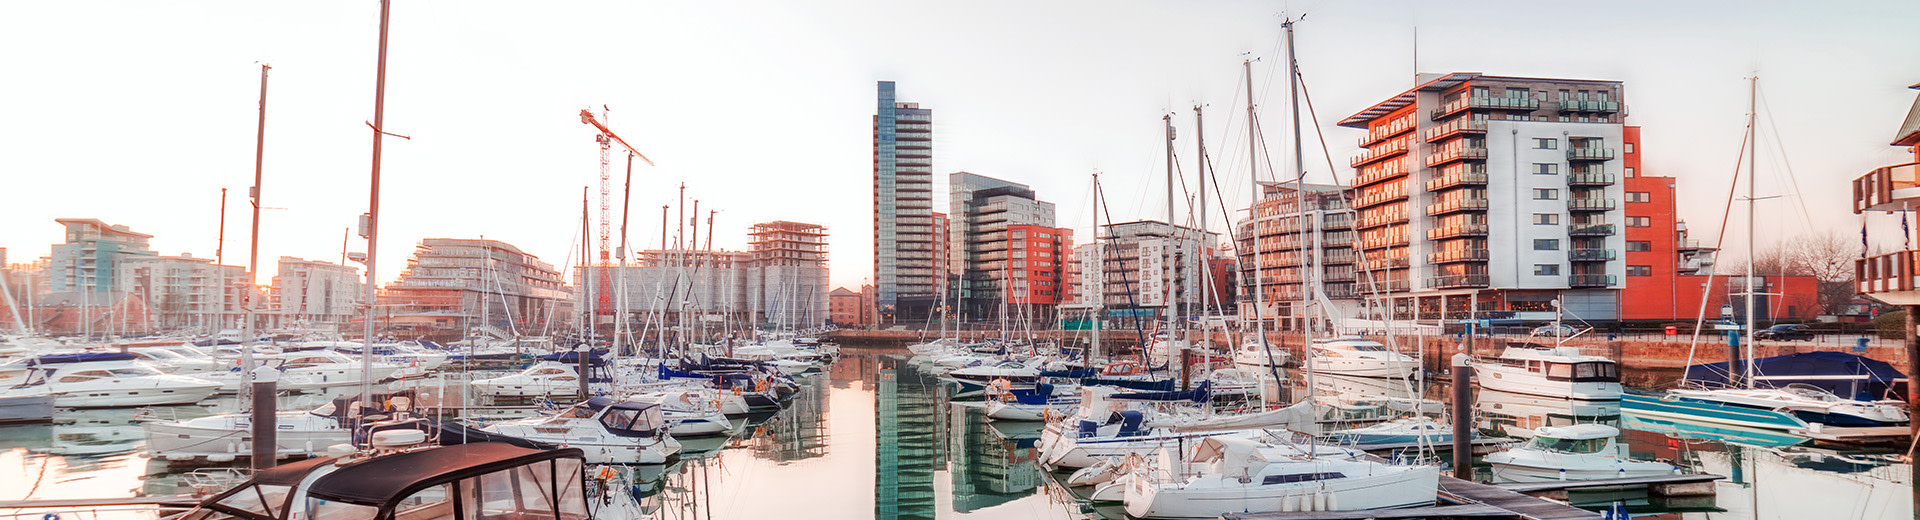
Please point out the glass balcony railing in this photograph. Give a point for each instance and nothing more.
(1458, 178)
(1590, 280)
(1571, 105)
(1590, 230)
(1590, 255)
(1466, 230)
(1590, 179)
(1507, 103)
(1459, 255)
(1458, 126)
(1590, 204)
(1590, 153)
(1457, 205)
(1453, 281)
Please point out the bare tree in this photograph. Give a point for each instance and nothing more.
(1826, 256)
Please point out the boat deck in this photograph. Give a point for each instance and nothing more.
(1472, 499)
(1462, 511)
(1659, 480)
(1857, 435)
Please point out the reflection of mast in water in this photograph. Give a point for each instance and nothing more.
(907, 423)
(685, 493)
(800, 431)
(989, 471)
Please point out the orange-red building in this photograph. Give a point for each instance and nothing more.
(844, 308)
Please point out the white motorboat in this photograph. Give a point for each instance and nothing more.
(1562, 372)
(228, 436)
(1577, 452)
(606, 430)
(543, 379)
(28, 404)
(1029, 404)
(1258, 355)
(1357, 356)
(1224, 474)
(690, 412)
(1419, 431)
(402, 478)
(103, 380)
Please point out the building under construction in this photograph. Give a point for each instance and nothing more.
(460, 284)
(789, 273)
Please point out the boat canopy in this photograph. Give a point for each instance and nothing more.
(1230, 456)
(82, 357)
(1579, 431)
(573, 357)
(1844, 374)
(263, 497)
(628, 418)
(505, 479)
(1199, 394)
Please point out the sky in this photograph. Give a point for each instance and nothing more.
(139, 113)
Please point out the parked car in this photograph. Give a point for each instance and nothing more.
(1784, 331)
(1565, 330)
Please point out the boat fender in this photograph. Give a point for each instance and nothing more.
(50, 516)
(1320, 499)
(1333, 500)
(1289, 503)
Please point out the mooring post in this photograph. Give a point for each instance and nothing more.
(265, 417)
(1462, 418)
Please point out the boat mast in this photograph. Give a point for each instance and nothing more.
(1200, 170)
(1173, 344)
(1753, 145)
(373, 212)
(1098, 276)
(1307, 249)
(1253, 215)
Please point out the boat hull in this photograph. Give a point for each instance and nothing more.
(1520, 381)
(1209, 498)
(1708, 412)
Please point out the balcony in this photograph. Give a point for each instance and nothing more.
(1464, 125)
(1390, 129)
(1590, 230)
(1377, 286)
(1457, 281)
(1457, 178)
(1379, 172)
(1888, 188)
(1892, 272)
(1391, 262)
(1344, 275)
(1384, 242)
(1385, 150)
(1457, 205)
(1463, 153)
(1590, 204)
(1590, 153)
(1590, 280)
(1337, 257)
(1459, 255)
(1590, 179)
(1571, 105)
(1339, 241)
(1374, 221)
(1526, 103)
(1468, 230)
(1337, 221)
(1590, 255)
(1375, 197)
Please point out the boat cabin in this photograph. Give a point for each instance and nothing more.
(622, 418)
(1560, 364)
(1579, 439)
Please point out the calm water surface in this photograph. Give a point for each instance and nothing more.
(873, 438)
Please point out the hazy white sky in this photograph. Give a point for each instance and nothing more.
(138, 113)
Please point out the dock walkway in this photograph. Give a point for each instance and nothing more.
(1473, 499)
(1654, 481)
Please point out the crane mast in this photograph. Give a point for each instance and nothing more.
(603, 301)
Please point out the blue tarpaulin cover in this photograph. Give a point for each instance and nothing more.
(1844, 374)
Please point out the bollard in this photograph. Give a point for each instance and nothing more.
(1462, 418)
(265, 380)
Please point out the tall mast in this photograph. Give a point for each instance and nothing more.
(219, 307)
(1253, 215)
(1098, 276)
(253, 251)
(373, 211)
(1200, 159)
(1308, 246)
(1174, 353)
(1753, 145)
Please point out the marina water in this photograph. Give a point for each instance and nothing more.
(871, 437)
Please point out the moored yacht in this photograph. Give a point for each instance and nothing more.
(608, 431)
(1577, 452)
(1357, 356)
(103, 380)
(1562, 372)
(1224, 474)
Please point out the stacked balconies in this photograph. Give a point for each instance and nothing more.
(1499, 103)
(1889, 277)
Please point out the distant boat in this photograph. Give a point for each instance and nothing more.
(1578, 452)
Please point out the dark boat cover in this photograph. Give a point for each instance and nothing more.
(1844, 374)
(81, 358)
(1199, 394)
(1163, 385)
(382, 480)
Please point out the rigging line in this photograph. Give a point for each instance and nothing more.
(1139, 332)
(1780, 148)
(1700, 318)
(1333, 173)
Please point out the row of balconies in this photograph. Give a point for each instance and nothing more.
(1506, 103)
(1455, 127)
(1590, 255)
(1459, 204)
(1337, 221)
(1590, 204)
(1590, 153)
(1457, 177)
(1465, 230)
(1574, 105)
(1377, 196)
(1381, 171)
(1390, 148)
(1456, 153)
(1456, 281)
(1589, 230)
(1388, 129)
(1458, 255)
(1590, 280)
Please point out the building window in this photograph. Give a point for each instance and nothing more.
(1546, 194)
(1639, 196)
(1564, 95)
(1546, 269)
(1546, 244)
(1639, 270)
(1546, 143)
(1639, 221)
(1546, 219)
(1516, 93)
(1639, 245)
(1628, 148)
(1630, 171)
(1546, 169)
(1482, 92)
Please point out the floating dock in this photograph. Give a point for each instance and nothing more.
(1698, 484)
(1856, 435)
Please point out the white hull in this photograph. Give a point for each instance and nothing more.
(1520, 381)
(227, 437)
(131, 397)
(1005, 411)
(1517, 473)
(1365, 367)
(1209, 496)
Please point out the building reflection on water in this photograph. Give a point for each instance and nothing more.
(799, 431)
(986, 469)
(909, 448)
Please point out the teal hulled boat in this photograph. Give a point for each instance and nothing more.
(1700, 411)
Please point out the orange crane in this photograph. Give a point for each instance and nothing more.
(606, 137)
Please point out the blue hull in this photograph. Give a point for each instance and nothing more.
(1830, 419)
(1708, 412)
(1690, 430)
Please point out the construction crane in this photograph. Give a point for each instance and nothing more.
(606, 138)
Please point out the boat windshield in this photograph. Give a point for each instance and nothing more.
(1587, 371)
(1569, 445)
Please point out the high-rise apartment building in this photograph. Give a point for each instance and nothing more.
(183, 292)
(85, 265)
(903, 234)
(789, 273)
(1500, 192)
(311, 294)
(1299, 226)
(452, 284)
(1008, 251)
(1128, 270)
